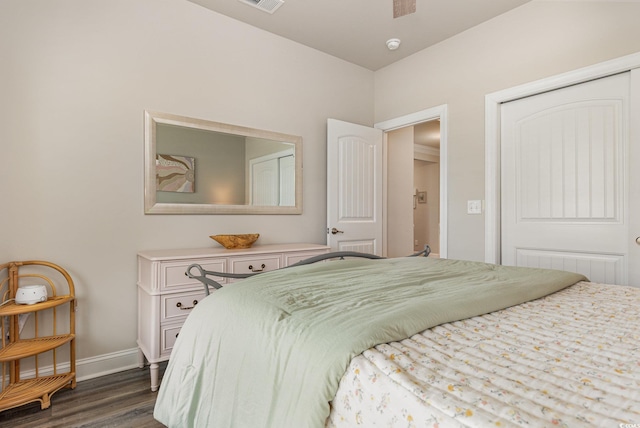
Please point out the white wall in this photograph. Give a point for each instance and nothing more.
(75, 77)
(400, 192)
(534, 41)
(426, 216)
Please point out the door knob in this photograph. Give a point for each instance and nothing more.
(334, 231)
(638, 240)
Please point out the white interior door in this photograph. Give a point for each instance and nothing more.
(264, 182)
(354, 187)
(272, 179)
(566, 181)
(634, 180)
(287, 169)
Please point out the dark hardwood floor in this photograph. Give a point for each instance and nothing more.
(119, 400)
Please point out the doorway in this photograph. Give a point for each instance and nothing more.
(413, 193)
(358, 190)
(421, 137)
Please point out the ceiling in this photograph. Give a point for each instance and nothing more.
(357, 30)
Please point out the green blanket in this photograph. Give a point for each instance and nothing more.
(269, 351)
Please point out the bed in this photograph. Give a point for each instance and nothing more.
(407, 342)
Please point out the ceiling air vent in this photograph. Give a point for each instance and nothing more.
(269, 6)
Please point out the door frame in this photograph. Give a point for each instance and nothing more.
(439, 112)
(493, 101)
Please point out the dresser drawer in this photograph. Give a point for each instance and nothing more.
(255, 264)
(179, 305)
(169, 337)
(290, 259)
(173, 274)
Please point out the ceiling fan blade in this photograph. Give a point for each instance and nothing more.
(403, 7)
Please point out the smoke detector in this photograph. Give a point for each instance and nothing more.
(268, 6)
(393, 44)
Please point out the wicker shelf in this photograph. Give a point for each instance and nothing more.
(42, 336)
(28, 347)
(13, 309)
(37, 389)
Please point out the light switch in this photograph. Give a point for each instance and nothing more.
(474, 207)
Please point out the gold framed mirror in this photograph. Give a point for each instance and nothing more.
(196, 166)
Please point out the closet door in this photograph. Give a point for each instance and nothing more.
(566, 176)
(265, 183)
(287, 178)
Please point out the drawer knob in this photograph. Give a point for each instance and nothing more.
(186, 308)
(262, 266)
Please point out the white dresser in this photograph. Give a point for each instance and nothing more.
(166, 295)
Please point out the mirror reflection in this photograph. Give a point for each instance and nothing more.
(196, 166)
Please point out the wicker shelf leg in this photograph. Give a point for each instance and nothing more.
(45, 402)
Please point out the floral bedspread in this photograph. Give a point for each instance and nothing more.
(569, 359)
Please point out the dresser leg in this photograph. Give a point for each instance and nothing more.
(154, 369)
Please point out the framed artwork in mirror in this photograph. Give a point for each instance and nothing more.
(175, 173)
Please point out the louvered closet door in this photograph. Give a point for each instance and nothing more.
(565, 181)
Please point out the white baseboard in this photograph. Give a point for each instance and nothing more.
(89, 368)
(101, 365)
